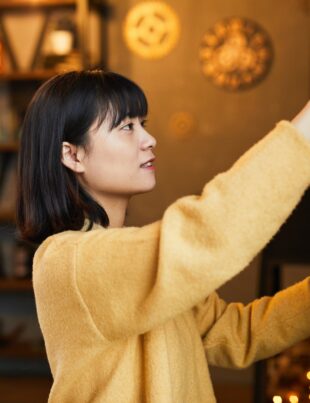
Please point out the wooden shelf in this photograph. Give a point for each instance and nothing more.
(22, 350)
(34, 75)
(14, 4)
(9, 147)
(32, 4)
(26, 388)
(8, 285)
(7, 216)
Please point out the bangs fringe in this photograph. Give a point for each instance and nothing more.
(125, 99)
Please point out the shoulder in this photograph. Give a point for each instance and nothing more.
(57, 242)
(65, 242)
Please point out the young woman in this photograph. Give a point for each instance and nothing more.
(131, 314)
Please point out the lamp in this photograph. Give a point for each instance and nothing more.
(61, 38)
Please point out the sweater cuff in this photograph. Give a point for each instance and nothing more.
(290, 130)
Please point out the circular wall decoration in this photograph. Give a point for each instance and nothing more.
(236, 53)
(182, 124)
(151, 29)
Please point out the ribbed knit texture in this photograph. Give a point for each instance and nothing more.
(130, 315)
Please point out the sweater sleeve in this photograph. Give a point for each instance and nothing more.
(235, 335)
(133, 279)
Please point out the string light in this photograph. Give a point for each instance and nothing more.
(308, 375)
(293, 399)
(277, 399)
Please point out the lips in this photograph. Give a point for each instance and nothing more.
(148, 163)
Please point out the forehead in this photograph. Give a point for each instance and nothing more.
(124, 103)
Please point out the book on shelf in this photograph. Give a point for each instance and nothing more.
(8, 186)
(9, 119)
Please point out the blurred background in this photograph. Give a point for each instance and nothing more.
(218, 76)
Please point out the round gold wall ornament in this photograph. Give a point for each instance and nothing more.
(236, 53)
(151, 29)
(182, 124)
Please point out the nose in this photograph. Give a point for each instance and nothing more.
(148, 141)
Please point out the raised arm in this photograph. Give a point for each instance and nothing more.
(134, 279)
(235, 335)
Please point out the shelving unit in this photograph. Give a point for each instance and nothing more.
(15, 285)
(11, 4)
(17, 87)
(19, 357)
(290, 246)
(37, 75)
(7, 216)
(11, 147)
(82, 10)
(16, 90)
(22, 350)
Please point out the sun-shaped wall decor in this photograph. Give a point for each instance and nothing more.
(236, 53)
(151, 29)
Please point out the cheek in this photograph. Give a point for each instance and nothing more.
(122, 158)
(119, 162)
(111, 168)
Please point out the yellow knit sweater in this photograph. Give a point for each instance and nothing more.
(129, 315)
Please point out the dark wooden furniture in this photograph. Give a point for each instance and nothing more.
(291, 245)
(17, 86)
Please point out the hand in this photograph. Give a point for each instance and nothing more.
(302, 121)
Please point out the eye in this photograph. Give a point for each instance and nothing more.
(128, 127)
(144, 123)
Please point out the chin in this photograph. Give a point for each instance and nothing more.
(145, 190)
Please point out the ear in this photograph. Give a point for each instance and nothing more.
(72, 157)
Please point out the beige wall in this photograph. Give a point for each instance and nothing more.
(226, 123)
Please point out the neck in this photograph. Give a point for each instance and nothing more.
(115, 207)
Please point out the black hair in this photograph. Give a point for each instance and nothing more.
(50, 197)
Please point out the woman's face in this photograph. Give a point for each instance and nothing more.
(114, 163)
